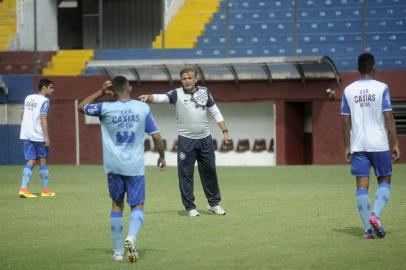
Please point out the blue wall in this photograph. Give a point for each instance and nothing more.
(18, 87)
(11, 147)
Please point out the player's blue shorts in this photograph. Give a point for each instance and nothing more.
(35, 150)
(361, 163)
(134, 186)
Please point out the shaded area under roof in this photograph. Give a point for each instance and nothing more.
(222, 69)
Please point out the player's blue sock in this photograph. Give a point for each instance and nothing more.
(43, 172)
(136, 220)
(27, 172)
(363, 207)
(381, 198)
(116, 221)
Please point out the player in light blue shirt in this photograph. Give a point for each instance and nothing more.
(369, 132)
(124, 123)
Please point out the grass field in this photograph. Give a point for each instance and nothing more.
(288, 217)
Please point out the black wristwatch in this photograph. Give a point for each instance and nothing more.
(225, 130)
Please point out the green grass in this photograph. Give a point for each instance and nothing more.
(289, 217)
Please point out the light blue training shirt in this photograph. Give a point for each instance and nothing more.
(123, 126)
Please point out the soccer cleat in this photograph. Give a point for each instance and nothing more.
(47, 193)
(369, 235)
(376, 224)
(118, 256)
(24, 193)
(218, 210)
(193, 213)
(132, 253)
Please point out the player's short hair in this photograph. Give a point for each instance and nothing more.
(187, 70)
(366, 63)
(44, 82)
(120, 83)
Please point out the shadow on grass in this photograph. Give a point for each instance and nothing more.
(353, 231)
(142, 252)
(161, 212)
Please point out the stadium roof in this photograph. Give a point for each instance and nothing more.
(222, 69)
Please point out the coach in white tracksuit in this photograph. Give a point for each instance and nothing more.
(194, 140)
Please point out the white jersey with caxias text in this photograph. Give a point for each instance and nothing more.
(35, 105)
(365, 101)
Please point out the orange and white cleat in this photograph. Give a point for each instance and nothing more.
(24, 193)
(47, 193)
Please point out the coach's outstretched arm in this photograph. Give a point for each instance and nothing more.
(154, 98)
(107, 89)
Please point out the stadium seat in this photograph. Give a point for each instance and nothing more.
(155, 150)
(175, 146)
(147, 145)
(259, 145)
(243, 145)
(215, 145)
(226, 147)
(271, 146)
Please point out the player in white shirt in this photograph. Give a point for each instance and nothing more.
(34, 132)
(370, 139)
(124, 122)
(192, 104)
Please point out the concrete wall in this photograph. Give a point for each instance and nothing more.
(47, 26)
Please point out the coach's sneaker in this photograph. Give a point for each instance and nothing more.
(376, 224)
(193, 213)
(218, 210)
(24, 193)
(132, 253)
(47, 193)
(369, 235)
(118, 256)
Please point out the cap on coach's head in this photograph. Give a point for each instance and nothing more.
(366, 63)
(120, 84)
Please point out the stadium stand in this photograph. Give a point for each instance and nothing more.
(68, 62)
(174, 146)
(271, 146)
(226, 147)
(334, 28)
(188, 24)
(147, 145)
(7, 22)
(215, 145)
(261, 28)
(23, 62)
(243, 145)
(259, 145)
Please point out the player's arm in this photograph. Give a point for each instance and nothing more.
(218, 117)
(152, 129)
(392, 134)
(159, 145)
(44, 125)
(105, 90)
(44, 121)
(346, 128)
